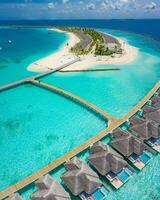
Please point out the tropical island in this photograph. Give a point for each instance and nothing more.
(94, 42)
(90, 46)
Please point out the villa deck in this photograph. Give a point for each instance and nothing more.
(53, 165)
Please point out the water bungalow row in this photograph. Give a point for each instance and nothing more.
(131, 148)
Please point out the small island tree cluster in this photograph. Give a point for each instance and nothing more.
(92, 41)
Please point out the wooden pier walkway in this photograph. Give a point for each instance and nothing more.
(56, 163)
(26, 80)
(140, 104)
(89, 70)
(76, 98)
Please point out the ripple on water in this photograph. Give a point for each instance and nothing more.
(3, 67)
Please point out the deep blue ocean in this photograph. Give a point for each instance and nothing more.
(148, 27)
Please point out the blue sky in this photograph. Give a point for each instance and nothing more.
(79, 9)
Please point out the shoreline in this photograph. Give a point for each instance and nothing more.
(63, 56)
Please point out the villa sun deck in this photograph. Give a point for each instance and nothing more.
(119, 179)
(99, 194)
(140, 161)
(154, 143)
(115, 123)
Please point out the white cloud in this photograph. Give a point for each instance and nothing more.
(150, 6)
(65, 1)
(51, 5)
(117, 4)
(91, 6)
(81, 2)
(104, 5)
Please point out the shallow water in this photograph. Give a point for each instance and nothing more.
(116, 91)
(46, 124)
(28, 45)
(40, 114)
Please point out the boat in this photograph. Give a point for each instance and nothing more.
(9, 41)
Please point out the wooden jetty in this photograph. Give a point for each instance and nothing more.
(89, 70)
(29, 79)
(56, 163)
(76, 98)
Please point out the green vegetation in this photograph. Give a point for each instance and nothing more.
(94, 42)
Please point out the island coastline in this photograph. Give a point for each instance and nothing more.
(64, 55)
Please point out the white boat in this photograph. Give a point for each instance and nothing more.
(9, 41)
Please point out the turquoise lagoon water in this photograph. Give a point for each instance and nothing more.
(36, 127)
(117, 91)
(51, 126)
(28, 45)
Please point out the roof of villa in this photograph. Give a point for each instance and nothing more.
(125, 143)
(157, 104)
(155, 99)
(154, 116)
(105, 159)
(136, 120)
(80, 177)
(45, 182)
(148, 109)
(15, 196)
(49, 189)
(144, 130)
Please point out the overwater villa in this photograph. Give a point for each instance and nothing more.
(153, 116)
(155, 101)
(148, 132)
(82, 181)
(147, 109)
(135, 120)
(130, 147)
(15, 196)
(109, 164)
(48, 188)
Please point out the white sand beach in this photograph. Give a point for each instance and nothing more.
(64, 56)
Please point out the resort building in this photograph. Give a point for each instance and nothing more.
(130, 147)
(109, 164)
(15, 196)
(135, 120)
(82, 181)
(156, 101)
(148, 132)
(154, 116)
(147, 109)
(48, 188)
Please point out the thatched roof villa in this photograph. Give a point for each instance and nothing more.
(80, 177)
(109, 163)
(48, 189)
(81, 180)
(130, 147)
